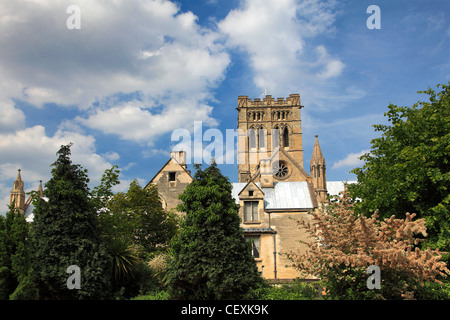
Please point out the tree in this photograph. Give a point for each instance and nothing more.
(211, 259)
(408, 167)
(343, 245)
(65, 233)
(137, 215)
(134, 226)
(14, 253)
(102, 193)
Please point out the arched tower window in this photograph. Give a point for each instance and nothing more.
(252, 138)
(286, 137)
(262, 136)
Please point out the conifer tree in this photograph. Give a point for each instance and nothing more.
(14, 255)
(65, 233)
(211, 258)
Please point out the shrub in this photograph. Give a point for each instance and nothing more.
(297, 290)
(345, 244)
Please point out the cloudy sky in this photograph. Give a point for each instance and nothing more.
(118, 81)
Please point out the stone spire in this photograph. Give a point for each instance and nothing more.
(318, 172)
(317, 152)
(40, 189)
(17, 194)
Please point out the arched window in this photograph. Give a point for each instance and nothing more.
(252, 138)
(275, 137)
(286, 137)
(262, 136)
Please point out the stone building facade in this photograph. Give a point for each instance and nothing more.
(172, 179)
(273, 188)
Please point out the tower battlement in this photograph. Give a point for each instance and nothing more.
(292, 100)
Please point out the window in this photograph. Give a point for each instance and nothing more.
(172, 176)
(255, 245)
(250, 193)
(280, 170)
(250, 211)
(285, 137)
(252, 138)
(262, 135)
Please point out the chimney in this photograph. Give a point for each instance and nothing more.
(180, 157)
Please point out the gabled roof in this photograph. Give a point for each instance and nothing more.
(165, 165)
(292, 160)
(248, 183)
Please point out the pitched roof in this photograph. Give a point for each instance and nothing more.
(283, 195)
(165, 165)
(289, 195)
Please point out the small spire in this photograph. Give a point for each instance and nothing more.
(19, 177)
(18, 183)
(40, 189)
(317, 152)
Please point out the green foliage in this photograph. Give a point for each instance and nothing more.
(211, 259)
(125, 258)
(14, 252)
(408, 167)
(102, 193)
(156, 295)
(133, 226)
(297, 290)
(64, 233)
(138, 216)
(26, 290)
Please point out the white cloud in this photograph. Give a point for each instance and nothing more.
(111, 155)
(131, 121)
(33, 151)
(274, 35)
(122, 46)
(10, 118)
(351, 160)
(147, 48)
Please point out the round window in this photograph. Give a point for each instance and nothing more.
(280, 170)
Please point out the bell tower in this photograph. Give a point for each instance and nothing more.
(270, 139)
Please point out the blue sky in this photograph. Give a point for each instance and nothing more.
(135, 71)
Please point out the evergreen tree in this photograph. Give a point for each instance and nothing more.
(211, 259)
(65, 233)
(14, 252)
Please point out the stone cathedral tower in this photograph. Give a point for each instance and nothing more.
(270, 142)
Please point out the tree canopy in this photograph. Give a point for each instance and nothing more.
(408, 167)
(65, 233)
(211, 259)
